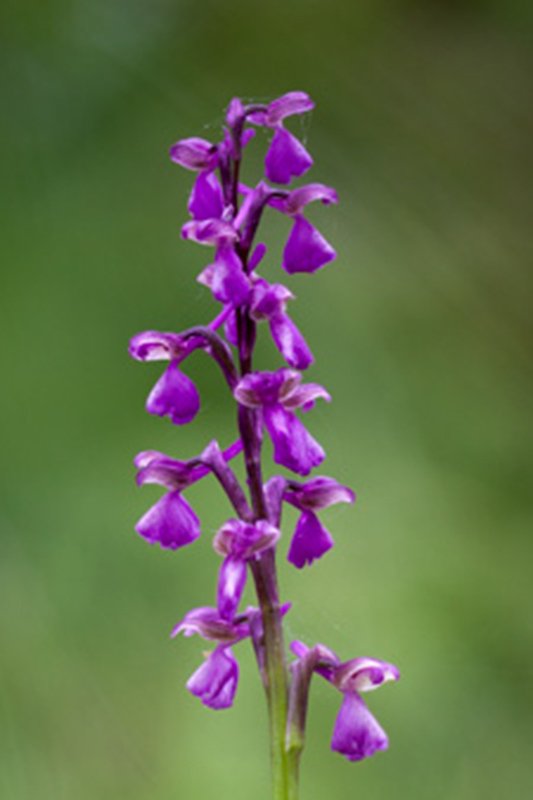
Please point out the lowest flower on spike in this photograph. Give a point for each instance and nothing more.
(225, 218)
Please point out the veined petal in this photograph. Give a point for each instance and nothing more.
(286, 158)
(319, 493)
(209, 232)
(287, 105)
(364, 674)
(170, 473)
(206, 201)
(310, 541)
(304, 396)
(357, 734)
(174, 394)
(294, 447)
(215, 681)
(306, 249)
(171, 522)
(194, 153)
(207, 623)
(156, 346)
(296, 200)
(231, 583)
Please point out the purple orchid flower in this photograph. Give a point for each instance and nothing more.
(225, 276)
(286, 157)
(171, 522)
(268, 302)
(306, 249)
(278, 394)
(174, 394)
(239, 542)
(357, 734)
(215, 681)
(311, 539)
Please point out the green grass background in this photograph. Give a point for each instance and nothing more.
(421, 332)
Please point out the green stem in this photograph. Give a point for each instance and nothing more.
(264, 573)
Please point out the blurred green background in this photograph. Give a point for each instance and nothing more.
(420, 331)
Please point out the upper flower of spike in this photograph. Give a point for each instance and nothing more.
(286, 157)
(171, 521)
(311, 539)
(215, 681)
(357, 734)
(239, 542)
(268, 302)
(306, 249)
(279, 394)
(174, 393)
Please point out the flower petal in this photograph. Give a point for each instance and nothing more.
(171, 522)
(226, 277)
(364, 674)
(310, 541)
(287, 105)
(207, 623)
(215, 681)
(206, 200)
(294, 202)
(156, 346)
(306, 249)
(176, 395)
(231, 583)
(209, 232)
(290, 342)
(286, 157)
(194, 153)
(357, 734)
(294, 447)
(319, 493)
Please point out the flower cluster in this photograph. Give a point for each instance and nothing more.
(225, 215)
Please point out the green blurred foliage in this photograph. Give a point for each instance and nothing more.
(421, 332)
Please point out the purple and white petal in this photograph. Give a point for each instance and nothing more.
(244, 540)
(310, 541)
(287, 105)
(170, 473)
(174, 395)
(357, 734)
(306, 249)
(364, 674)
(207, 623)
(194, 153)
(304, 396)
(157, 346)
(319, 493)
(231, 583)
(215, 681)
(171, 522)
(286, 158)
(209, 232)
(295, 201)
